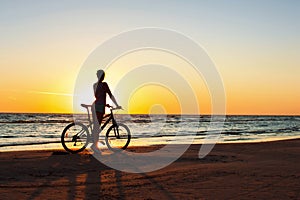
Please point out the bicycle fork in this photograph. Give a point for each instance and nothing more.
(116, 131)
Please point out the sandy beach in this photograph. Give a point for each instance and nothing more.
(231, 171)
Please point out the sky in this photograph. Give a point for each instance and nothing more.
(254, 45)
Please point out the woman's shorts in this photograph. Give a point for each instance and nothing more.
(100, 108)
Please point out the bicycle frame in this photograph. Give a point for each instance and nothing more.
(83, 132)
(91, 124)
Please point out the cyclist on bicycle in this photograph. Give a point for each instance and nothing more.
(98, 109)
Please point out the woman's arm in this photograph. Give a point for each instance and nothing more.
(114, 100)
(112, 96)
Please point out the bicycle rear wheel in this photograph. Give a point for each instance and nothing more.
(75, 137)
(118, 137)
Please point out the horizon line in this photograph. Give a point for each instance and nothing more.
(231, 114)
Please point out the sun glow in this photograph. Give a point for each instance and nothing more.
(154, 99)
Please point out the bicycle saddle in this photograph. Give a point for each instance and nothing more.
(85, 106)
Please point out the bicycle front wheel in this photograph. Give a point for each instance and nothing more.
(118, 137)
(75, 137)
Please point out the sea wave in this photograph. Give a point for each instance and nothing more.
(49, 121)
(31, 129)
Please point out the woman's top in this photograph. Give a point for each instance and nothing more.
(100, 91)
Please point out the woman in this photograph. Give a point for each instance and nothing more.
(100, 90)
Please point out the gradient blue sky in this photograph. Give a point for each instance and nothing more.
(254, 44)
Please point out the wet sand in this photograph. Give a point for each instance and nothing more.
(231, 171)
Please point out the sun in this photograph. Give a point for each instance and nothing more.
(153, 99)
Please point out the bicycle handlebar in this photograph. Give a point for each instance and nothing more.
(114, 108)
(107, 105)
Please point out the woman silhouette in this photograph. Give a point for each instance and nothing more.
(100, 90)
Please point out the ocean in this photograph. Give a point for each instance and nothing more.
(19, 131)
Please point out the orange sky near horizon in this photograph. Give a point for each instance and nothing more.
(255, 47)
(276, 94)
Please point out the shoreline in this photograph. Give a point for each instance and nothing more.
(266, 170)
(56, 145)
(153, 146)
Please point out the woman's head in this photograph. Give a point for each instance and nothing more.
(100, 75)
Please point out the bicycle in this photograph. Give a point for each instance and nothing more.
(76, 136)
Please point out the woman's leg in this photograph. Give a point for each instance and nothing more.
(97, 127)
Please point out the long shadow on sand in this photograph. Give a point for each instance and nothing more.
(82, 176)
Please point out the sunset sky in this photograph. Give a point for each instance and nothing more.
(255, 46)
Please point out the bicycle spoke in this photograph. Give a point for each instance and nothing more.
(118, 138)
(75, 137)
